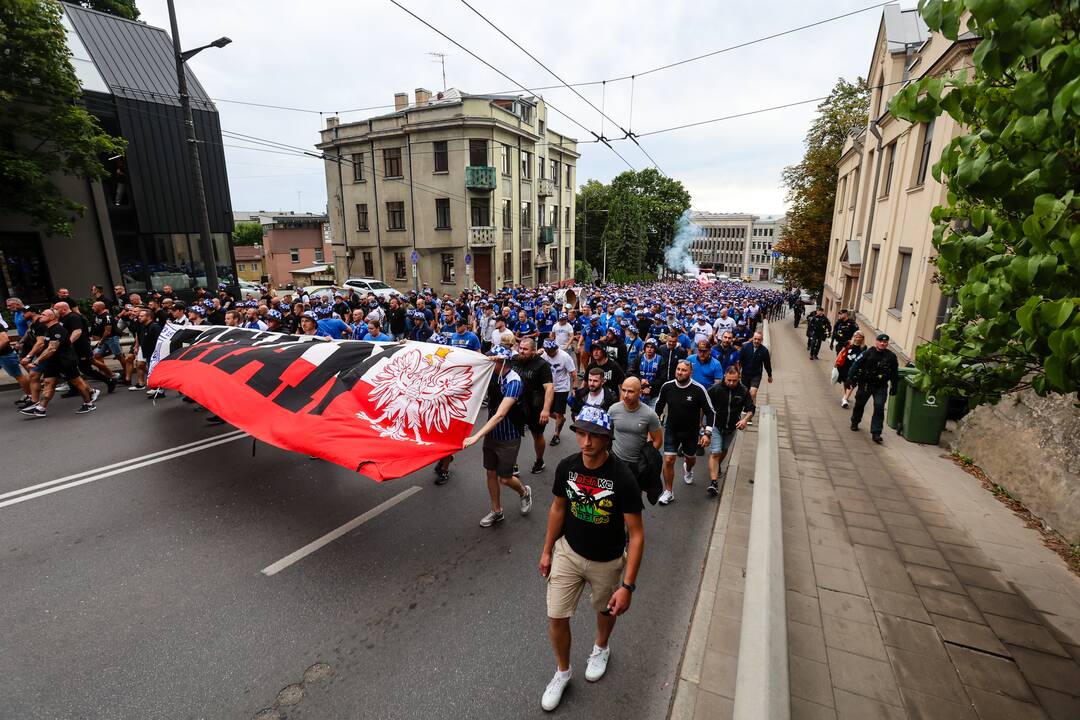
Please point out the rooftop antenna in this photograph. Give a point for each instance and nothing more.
(441, 59)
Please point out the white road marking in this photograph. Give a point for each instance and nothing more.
(343, 530)
(126, 468)
(84, 473)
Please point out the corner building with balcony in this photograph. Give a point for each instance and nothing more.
(476, 188)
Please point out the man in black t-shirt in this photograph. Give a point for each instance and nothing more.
(596, 504)
(57, 359)
(538, 392)
(79, 333)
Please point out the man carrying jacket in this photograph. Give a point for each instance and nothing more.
(734, 406)
(843, 329)
(876, 370)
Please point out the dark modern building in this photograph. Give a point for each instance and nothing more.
(141, 227)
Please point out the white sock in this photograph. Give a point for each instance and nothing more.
(563, 674)
(597, 649)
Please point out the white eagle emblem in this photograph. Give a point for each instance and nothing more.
(416, 391)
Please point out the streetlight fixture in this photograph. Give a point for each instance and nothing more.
(206, 245)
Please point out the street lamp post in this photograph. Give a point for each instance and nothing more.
(206, 246)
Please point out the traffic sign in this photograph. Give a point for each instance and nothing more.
(415, 257)
(775, 254)
(468, 258)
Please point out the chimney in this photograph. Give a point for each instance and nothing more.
(422, 96)
(401, 101)
(332, 121)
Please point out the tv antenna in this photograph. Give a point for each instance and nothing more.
(441, 59)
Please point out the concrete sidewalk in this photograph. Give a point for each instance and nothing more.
(911, 591)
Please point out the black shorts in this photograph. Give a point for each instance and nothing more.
(558, 404)
(751, 382)
(685, 445)
(60, 368)
(500, 455)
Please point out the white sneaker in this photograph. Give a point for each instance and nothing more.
(491, 518)
(554, 692)
(526, 500)
(666, 497)
(843, 403)
(688, 474)
(94, 395)
(597, 665)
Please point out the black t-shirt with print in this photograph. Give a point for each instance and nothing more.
(74, 321)
(597, 500)
(99, 323)
(64, 353)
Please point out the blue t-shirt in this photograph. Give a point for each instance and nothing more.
(525, 327)
(726, 358)
(332, 328)
(706, 373)
(467, 340)
(381, 337)
(546, 320)
(649, 367)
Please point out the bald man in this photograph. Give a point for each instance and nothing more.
(634, 423)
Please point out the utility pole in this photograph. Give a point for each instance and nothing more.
(441, 59)
(206, 245)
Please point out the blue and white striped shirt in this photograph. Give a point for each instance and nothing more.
(509, 387)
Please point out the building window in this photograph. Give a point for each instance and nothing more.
(854, 188)
(319, 256)
(361, 217)
(566, 218)
(526, 263)
(508, 215)
(508, 162)
(358, 167)
(890, 161)
(369, 264)
(442, 213)
(508, 266)
(924, 154)
(553, 220)
(442, 156)
(540, 173)
(478, 154)
(567, 175)
(448, 267)
(541, 213)
(395, 216)
(480, 212)
(526, 215)
(391, 162)
(567, 268)
(555, 172)
(901, 279)
(240, 267)
(399, 266)
(294, 255)
(526, 165)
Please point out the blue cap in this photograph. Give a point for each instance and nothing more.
(594, 420)
(501, 351)
(564, 316)
(437, 339)
(274, 314)
(550, 344)
(309, 315)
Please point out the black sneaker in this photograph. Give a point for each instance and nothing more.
(713, 489)
(877, 439)
(33, 411)
(25, 402)
(86, 407)
(214, 420)
(110, 386)
(538, 467)
(555, 439)
(854, 427)
(442, 476)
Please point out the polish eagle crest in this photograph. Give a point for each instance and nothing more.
(414, 391)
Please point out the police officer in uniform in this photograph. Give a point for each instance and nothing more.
(876, 370)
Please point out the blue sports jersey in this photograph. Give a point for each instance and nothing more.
(332, 328)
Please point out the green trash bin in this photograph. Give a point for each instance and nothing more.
(894, 412)
(924, 415)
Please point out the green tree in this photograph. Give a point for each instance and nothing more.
(811, 185)
(121, 8)
(247, 233)
(1008, 239)
(635, 216)
(44, 133)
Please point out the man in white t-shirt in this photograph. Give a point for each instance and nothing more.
(724, 322)
(562, 374)
(701, 329)
(502, 335)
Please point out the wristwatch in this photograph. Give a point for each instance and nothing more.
(630, 587)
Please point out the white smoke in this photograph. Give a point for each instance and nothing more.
(677, 256)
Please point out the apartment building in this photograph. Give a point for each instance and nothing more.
(738, 244)
(296, 248)
(451, 191)
(881, 256)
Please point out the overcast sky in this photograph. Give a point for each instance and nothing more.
(334, 55)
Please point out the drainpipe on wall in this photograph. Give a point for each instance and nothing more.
(870, 215)
(412, 208)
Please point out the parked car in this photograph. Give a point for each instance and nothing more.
(249, 290)
(324, 291)
(366, 285)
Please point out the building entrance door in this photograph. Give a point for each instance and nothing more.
(482, 270)
(23, 272)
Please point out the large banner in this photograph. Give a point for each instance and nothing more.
(382, 409)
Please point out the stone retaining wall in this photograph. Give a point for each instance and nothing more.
(1031, 447)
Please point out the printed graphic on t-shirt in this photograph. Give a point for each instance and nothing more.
(590, 498)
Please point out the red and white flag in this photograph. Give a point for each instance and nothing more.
(382, 409)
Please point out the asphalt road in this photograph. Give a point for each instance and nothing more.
(140, 594)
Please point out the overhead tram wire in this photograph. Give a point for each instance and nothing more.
(500, 72)
(538, 61)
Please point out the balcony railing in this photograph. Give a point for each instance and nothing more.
(542, 260)
(482, 236)
(480, 177)
(547, 235)
(545, 187)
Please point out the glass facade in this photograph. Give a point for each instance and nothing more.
(150, 262)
